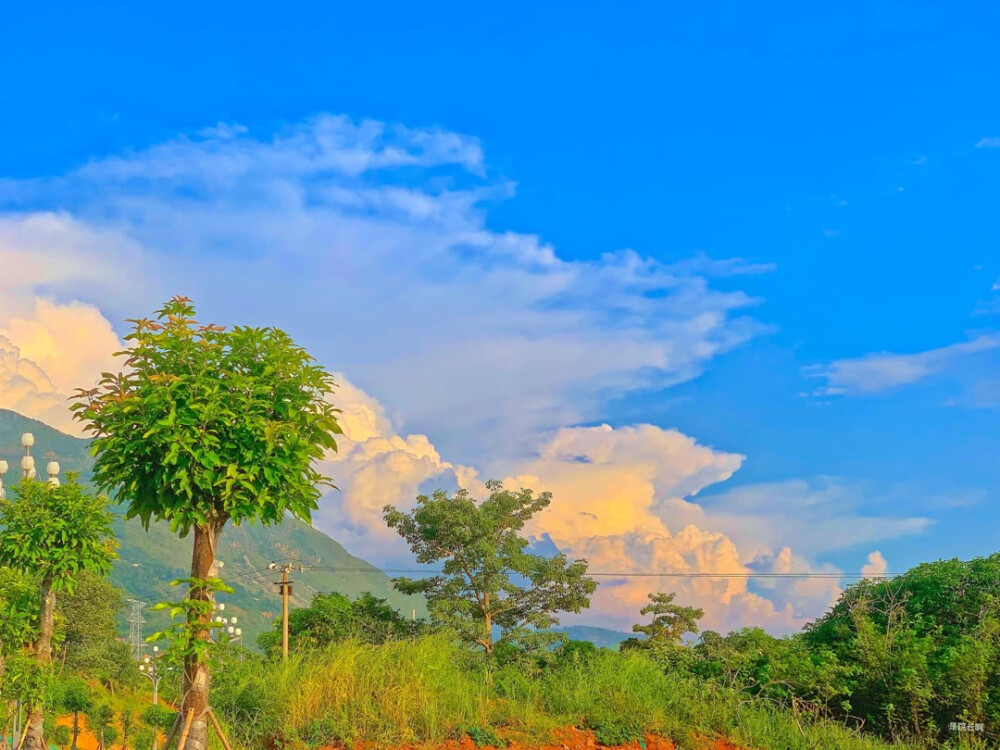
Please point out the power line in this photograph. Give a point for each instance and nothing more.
(605, 574)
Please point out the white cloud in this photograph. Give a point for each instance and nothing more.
(876, 566)
(874, 373)
(988, 143)
(369, 243)
(821, 515)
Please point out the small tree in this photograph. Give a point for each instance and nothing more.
(127, 721)
(489, 579)
(204, 426)
(89, 629)
(669, 625)
(336, 617)
(76, 700)
(53, 534)
(99, 721)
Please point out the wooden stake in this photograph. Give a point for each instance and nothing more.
(186, 731)
(218, 729)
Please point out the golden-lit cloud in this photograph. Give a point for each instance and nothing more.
(623, 498)
(47, 352)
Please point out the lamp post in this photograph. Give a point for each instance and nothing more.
(151, 668)
(28, 462)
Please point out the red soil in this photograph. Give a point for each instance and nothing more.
(567, 738)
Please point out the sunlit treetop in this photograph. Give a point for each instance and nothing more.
(206, 424)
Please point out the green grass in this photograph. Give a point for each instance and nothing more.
(426, 691)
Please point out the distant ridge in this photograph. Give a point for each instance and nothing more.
(150, 560)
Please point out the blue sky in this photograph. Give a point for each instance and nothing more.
(848, 154)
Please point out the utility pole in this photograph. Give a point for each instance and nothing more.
(136, 621)
(285, 589)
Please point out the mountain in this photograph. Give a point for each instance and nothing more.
(149, 560)
(603, 637)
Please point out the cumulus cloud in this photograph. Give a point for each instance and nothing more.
(627, 500)
(47, 352)
(883, 371)
(374, 467)
(876, 565)
(370, 243)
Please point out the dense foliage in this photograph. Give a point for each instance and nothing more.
(489, 579)
(52, 535)
(335, 617)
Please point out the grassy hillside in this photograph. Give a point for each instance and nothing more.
(150, 560)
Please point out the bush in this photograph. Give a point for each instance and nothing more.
(60, 736)
(143, 740)
(617, 731)
(483, 736)
(159, 717)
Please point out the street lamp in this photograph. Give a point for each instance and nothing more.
(53, 471)
(151, 668)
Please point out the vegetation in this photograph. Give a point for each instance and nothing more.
(51, 535)
(430, 688)
(489, 579)
(150, 559)
(335, 617)
(670, 623)
(204, 426)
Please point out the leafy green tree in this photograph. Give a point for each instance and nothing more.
(144, 739)
(670, 623)
(88, 622)
(100, 720)
(336, 617)
(920, 650)
(127, 721)
(60, 735)
(784, 671)
(158, 717)
(204, 426)
(53, 534)
(489, 578)
(76, 699)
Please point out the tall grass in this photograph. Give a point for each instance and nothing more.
(426, 690)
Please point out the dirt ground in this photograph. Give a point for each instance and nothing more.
(564, 739)
(571, 739)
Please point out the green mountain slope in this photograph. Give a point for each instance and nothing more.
(149, 560)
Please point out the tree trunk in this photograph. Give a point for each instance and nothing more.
(35, 739)
(76, 729)
(488, 622)
(196, 674)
